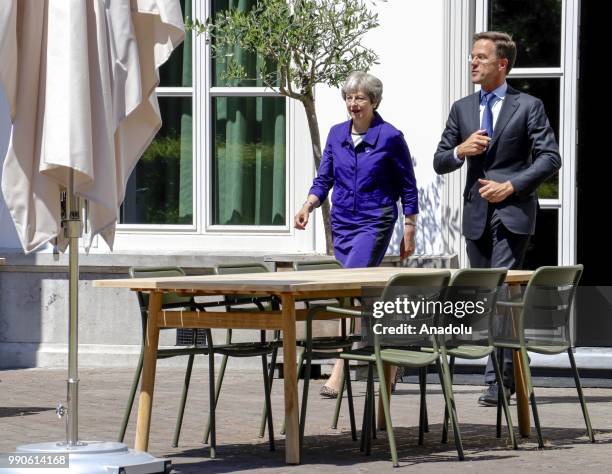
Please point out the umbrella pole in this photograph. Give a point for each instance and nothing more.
(91, 457)
(72, 230)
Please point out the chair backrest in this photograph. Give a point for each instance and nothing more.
(236, 268)
(168, 299)
(323, 264)
(410, 303)
(470, 306)
(547, 305)
(320, 264)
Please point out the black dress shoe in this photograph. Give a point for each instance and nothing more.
(489, 396)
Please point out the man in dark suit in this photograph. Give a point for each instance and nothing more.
(510, 149)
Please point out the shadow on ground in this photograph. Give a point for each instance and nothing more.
(336, 451)
(7, 412)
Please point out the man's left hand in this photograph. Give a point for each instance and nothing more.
(493, 191)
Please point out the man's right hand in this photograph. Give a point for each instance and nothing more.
(301, 218)
(476, 144)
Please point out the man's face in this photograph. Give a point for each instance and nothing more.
(486, 68)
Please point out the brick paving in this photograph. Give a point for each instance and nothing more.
(27, 414)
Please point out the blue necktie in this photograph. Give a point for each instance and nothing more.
(487, 114)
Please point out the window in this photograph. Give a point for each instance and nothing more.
(236, 178)
(548, 91)
(546, 36)
(160, 189)
(248, 178)
(537, 28)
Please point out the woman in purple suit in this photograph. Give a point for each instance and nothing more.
(367, 162)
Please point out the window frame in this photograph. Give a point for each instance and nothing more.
(207, 150)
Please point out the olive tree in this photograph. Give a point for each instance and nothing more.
(303, 43)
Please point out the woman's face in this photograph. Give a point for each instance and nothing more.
(359, 105)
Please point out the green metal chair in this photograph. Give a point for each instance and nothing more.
(247, 349)
(401, 351)
(541, 324)
(325, 347)
(169, 301)
(475, 286)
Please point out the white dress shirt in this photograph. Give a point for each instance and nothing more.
(500, 93)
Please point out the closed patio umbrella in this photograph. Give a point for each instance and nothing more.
(80, 78)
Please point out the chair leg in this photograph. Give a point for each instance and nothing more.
(334, 424)
(266, 380)
(534, 405)
(217, 388)
(300, 364)
(372, 430)
(306, 356)
(444, 439)
(386, 409)
(212, 399)
(366, 401)
(498, 409)
(373, 408)
(585, 412)
(451, 367)
(130, 403)
(421, 406)
(425, 416)
(349, 394)
(503, 401)
(264, 415)
(450, 403)
(367, 414)
(181, 412)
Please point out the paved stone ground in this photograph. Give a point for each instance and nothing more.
(27, 414)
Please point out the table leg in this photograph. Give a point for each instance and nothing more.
(381, 413)
(292, 427)
(522, 398)
(147, 384)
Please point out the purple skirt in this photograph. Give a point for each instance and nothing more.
(361, 237)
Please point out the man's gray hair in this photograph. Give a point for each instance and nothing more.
(362, 81)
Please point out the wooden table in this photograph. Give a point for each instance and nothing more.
(288, 286)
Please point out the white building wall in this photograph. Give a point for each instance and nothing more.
(409, 42)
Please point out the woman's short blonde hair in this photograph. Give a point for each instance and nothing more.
(362, 81)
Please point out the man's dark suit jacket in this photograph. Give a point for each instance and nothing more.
(523, 150)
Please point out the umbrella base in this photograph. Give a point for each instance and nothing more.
(93, 457)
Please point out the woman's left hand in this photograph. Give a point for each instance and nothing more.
(408, 244)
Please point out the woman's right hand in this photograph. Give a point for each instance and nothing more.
(301, 218)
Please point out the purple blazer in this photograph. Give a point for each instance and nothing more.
(374, 175)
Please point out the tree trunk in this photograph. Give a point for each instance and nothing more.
(315, 138)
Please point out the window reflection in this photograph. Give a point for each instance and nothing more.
(547, 90)
(543, 246)
(535, 26)
(159, 190)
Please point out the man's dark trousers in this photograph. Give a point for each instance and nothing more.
(498, 247)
